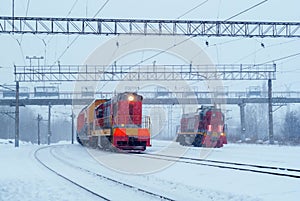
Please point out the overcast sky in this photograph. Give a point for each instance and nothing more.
(14, 48)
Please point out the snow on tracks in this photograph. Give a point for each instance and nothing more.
(92, 182)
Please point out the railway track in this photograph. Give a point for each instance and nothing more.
(263, 169)
(122, 184)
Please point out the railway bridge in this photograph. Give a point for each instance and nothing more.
(158, 98)
(239, 98)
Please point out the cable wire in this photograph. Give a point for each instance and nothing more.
(246, 10)
(179, 43)
(27, 8)
(101, 8)
(279, 59)
(74, 4)
(256, 51)
(236, 16)
(74, 40)
(192, 9)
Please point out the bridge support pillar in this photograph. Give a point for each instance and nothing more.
(243, 124)
(270, 112)
(49, 123)
(17, 113)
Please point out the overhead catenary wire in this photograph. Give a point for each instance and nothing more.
(218, 13)
(215, 44)
(279, 59)
(185, 13)
(207, 43)
(26, 13)
(27, 8)
(258, 4)
(250, 8)
(144, 60)
(66, 49)
(74, 40)
(181, 42)
(192, 9)
(74, 4)
(269, 46)
(101, 8)
(20, 41)
(244, 11)
(21, 49)
(52, 36)
(5, 87)
(263, 45)
(68, 14)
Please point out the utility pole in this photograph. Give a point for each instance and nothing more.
(72, 136)
(13, 14)
(49, 123)
(171, 127)
(17, 116)
(270, 112)
(39, 119)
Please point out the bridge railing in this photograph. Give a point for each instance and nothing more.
(155, 94)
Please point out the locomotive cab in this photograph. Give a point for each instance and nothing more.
(117, 123)
(128, 132)
(205, 127)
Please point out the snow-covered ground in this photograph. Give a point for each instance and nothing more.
(23, 178)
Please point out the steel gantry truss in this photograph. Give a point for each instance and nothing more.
(144, 72)
(47, 25)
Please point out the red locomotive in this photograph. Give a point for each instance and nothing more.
(205, 128)
(114, 123)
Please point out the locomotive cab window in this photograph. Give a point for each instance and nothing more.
(201, 115)
(130, 109)
(100, 113)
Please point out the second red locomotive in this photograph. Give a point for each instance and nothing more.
(205, 128)
(114, 123)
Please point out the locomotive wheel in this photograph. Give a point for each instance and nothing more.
(219, 144)
(198, 141)
(103, 143)
(79, 141)
(182, 141)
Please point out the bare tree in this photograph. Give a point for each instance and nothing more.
(291, 128)
(256, 118)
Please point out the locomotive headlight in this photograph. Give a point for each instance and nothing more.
(130, 98)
